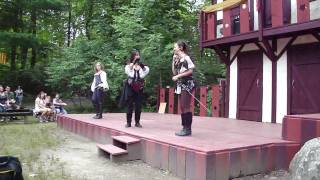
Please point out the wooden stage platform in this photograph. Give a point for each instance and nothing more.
(219, 148)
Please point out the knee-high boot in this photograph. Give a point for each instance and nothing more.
(189, 122)
(184, 120)
(129, 119)
(100, 109)
(137, 116)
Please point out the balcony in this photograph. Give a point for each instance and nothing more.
(251, 20)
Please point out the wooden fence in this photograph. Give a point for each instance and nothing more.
(211, 97)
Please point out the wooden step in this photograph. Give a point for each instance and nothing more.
(126, 139)
(111, 149)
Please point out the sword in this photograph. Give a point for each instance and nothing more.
(184, 86)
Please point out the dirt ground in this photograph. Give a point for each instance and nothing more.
(79, 159)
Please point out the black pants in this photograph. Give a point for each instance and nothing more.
(97, 100)
(185, 104)
(136, 98)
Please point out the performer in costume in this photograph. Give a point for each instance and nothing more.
(136, 72)
(98, 87)
(182, 69)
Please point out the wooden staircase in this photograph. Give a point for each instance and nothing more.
(123, 148)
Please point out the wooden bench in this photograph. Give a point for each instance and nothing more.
(16, 113)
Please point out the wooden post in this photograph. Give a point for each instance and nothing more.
(171, 101)
(178, 108)
(226, 23)
(277, 13)
(192, 101)
(210, 26)
(203, 100)
(215, 109)
(303, 10)
(244, 17)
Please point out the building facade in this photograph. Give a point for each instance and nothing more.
(272, 52)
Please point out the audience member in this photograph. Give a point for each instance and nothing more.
(59, 105)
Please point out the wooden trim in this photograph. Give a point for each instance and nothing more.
(289, 82)
(276, 32)
(274, 93)
(227, 92)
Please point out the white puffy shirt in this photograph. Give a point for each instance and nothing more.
(142, 73)
(190, 64)
(103, 76)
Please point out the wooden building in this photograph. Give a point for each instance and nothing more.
(272, 52)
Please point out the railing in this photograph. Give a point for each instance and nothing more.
(212, 100)
(246, 17)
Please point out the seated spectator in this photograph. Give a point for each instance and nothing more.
(40, 107)
(19, 96)
(59, 105)
(49, 105)
(11, 102)
(3, 99)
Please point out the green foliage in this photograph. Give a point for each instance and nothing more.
(70, 36)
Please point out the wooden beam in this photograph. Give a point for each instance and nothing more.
(316, 35)
(270, 53)
(286, 47)
(221, 54)
(236, 54)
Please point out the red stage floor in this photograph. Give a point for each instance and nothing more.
(219, 148)
(209, 134)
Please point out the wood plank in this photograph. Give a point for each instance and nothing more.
(111, 149)
(203, 100)
(171, 101)
(244, 18)
(303, 10)
(126, 139)
(277, 13)
(210, 28)
(226, 23)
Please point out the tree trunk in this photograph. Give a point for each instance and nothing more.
(34, 32)
(88, 18)
(24, 55)
(13, 58)
(69, 22)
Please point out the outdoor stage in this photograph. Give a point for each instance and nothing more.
(219, 148)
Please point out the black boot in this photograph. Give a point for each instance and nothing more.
(189, 123)
(96, 109)
(99, 112)
(183, 131)
(137, 116)
(129, 117)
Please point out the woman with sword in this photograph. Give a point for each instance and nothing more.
(182, 69)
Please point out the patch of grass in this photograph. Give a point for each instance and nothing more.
(27, 142)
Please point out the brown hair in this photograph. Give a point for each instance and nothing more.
(183, 45)
(95, 66)
(133, 54)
